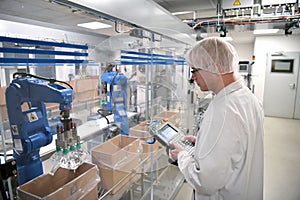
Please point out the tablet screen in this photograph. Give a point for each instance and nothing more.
(168, 132)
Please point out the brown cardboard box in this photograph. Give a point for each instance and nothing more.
(140, 130)
(91, 194)
(84, 85)
(2, 95)
(86, 89)
(116, 158)
(4, 112)
(171, 116)
(146, 158)
(117, 177)
(147, 147)
(115, 150)
(3, 104)
(80, 184)
(85, 96)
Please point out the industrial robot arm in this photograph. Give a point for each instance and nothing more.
(25, 98)
(116, 92)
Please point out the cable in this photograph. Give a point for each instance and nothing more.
(109, 68)
(2, 189)
(153, 141)
(23, 74)
(98, 111)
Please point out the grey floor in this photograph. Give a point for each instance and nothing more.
(282, 161)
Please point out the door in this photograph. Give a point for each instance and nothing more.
(281, 84)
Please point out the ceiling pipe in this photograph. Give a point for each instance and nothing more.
(257, 8)
(194, 15)
(246, 19)
(219, 8)
(208, 22)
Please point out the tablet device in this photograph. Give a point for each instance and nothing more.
(167, 132)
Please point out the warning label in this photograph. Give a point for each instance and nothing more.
(233, 4)
(32, 117)
(237, 3)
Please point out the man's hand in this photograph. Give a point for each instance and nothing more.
(190, 138)
(175, 151)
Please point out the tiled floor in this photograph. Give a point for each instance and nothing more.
(282, 161)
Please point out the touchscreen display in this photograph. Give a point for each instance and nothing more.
(168, 132)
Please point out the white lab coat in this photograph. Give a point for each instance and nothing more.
(228, 160)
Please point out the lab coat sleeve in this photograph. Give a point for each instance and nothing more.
(208, 174)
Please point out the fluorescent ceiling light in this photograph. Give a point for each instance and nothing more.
(265, 31)
(182, 13)
(94, 25)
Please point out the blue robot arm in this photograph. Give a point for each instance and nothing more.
(116, 92)
(29, 124)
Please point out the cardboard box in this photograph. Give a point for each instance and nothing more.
(116, 150)
(4, 112)
(171, 116)
(81, 183)
(117, 178)
(147, 147)
(2, 96)
(157, 149)
(140, 130)
(3, 103)
(116, 158)
(84, 85)
(91, 194)
(85, 89)
(86, 96)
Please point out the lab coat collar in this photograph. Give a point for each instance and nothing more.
(230, 88)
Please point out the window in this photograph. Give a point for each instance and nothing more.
(282, 66)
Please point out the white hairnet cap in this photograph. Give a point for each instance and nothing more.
(213, 54)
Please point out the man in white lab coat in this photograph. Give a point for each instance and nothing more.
(228, 161)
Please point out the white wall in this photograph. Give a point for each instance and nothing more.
(262, 46)
(245, 51)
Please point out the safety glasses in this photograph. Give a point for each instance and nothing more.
(193, 71)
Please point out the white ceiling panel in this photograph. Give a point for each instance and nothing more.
(146, 14)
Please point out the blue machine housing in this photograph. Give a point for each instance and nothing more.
(117, 98)
(29, 128)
